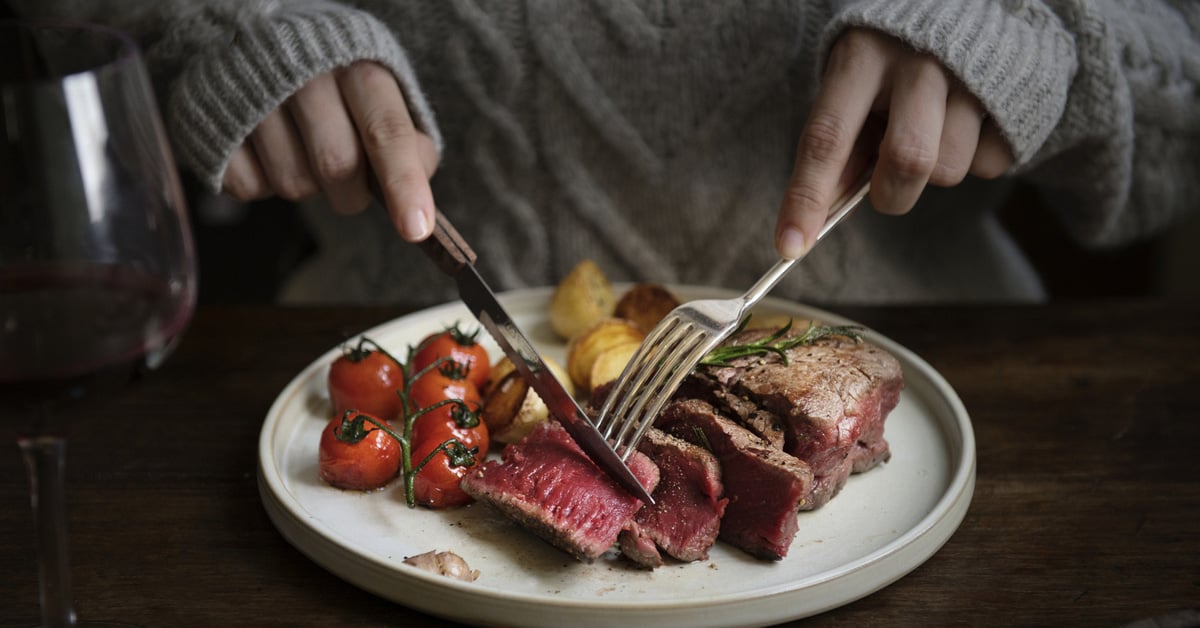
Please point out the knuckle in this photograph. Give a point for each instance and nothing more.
(244, 188)
(853, 49)
(335, 165)
(823, 138)
(802, 197)
(384, 129)
(294, 187)
(948, 174)
(909, 160)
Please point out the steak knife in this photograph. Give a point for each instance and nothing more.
(454, 257)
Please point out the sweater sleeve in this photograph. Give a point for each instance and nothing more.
(220, 66)
(1097, 98)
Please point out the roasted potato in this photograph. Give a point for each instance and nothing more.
(610, 363)
(587, 346)
(645, 304)
(511, 408)
(582, 298)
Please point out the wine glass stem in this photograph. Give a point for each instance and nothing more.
(45, 457)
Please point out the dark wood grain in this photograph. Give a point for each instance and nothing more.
(1086, 509)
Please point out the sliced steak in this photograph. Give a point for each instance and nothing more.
(832, 398)
(685, 518)
(547, 484)
(765, 487)
(636, 545)
(702, 385)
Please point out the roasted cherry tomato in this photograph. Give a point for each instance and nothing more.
(441, 383)
(366, 378)
(355, 454)
(453, 421)
(437, 483)
(462, 347)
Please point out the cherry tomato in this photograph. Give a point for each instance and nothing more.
(366, 380)
(439, 385)
(460, 346)
(453, 421)
(367, 464)
(437, 483)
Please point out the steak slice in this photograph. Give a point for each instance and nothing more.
(685, 518)
(765, 487)
(702, 385)
(548, 485)
(636, 545)
(832, 397)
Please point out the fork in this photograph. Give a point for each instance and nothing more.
(684, 336)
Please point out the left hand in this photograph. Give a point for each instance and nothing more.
(933, 131)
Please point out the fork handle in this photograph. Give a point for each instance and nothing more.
(843, 207)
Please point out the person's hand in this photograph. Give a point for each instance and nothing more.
(339, 130)
(881, 100)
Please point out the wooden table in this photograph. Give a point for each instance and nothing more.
(1086, 508)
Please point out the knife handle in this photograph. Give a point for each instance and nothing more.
(446, 247)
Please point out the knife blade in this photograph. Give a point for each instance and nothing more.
(447, 249)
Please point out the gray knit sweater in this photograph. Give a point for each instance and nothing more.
(656, 137)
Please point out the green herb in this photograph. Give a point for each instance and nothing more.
(777, 343)
(703, 438)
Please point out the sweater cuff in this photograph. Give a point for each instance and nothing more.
(223, 96)
(1018, 62)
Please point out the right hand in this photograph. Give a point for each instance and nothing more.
(879, 97)
(326, 137)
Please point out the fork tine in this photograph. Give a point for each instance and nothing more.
(647, 417)
(662, 339)
(653, 375)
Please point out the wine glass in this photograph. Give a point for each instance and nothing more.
(97, 272)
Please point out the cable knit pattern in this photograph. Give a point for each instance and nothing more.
(229, 91)
(1016, 57)
(656, 137)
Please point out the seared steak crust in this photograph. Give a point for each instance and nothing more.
(831, 397)
(750, 415)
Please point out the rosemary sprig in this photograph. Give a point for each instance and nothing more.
(776, 343)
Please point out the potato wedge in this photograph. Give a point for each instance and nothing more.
(504, 366)
(582, 298)
(503, 401)
(589, 344)
(610, 363)
(645, 304)
(510, 407)
(532, 411)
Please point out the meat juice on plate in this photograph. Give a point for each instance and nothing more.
(67, 331)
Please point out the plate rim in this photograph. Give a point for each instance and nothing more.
(923, 539)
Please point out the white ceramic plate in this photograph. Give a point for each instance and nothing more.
(883, 524)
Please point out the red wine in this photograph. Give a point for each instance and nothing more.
(66, 330)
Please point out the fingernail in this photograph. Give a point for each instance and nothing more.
(416, 226)
(791, 243)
